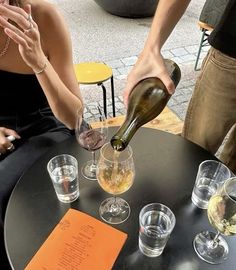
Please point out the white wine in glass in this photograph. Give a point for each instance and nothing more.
(115, 174)
(212, 247)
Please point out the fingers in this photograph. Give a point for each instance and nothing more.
(11, 147)
(15, 14)
(129, 87)
(165, 78)
(27, 9)
(125, 97)
(19, 37)
(11, 138)
(6, 145)
(23, 23)
(9, 132)
(7, 136)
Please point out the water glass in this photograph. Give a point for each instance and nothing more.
(156, 224)
(63, 170)
(211, 174)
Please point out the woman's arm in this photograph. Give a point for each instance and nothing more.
(150, 62)
(58, 80)
(44, 44)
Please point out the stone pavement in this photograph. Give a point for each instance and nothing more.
(184, 56)
(100, 36)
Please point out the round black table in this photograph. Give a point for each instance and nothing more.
(166, 167)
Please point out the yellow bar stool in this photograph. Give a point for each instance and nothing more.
(96, 73)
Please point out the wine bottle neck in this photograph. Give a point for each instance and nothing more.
(121, 139)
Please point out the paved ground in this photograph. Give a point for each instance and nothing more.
(100, 36)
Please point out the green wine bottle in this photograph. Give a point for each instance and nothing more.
(146, 101)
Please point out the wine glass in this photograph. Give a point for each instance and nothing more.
(212, 247)
(115, 174)
(91, 133)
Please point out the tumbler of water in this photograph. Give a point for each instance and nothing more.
(211, 174)
(63, 170)
(156, 224)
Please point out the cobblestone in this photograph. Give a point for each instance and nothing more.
(178, 102)
(117, 42)
(179, 52)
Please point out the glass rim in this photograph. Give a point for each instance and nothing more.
(218, 162)
(214, 161)
(60, 155)
(130, 155)
(172, 215)
(224, 187)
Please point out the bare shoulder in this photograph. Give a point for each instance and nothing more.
(51, 23)
(44, 13)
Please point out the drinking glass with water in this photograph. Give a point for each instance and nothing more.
(211, 174)
(63, 170)
(156, 224)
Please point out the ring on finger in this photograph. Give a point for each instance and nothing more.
(11, 147)
(29, 19)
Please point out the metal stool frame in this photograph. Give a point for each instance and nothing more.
(203, 43)
(101, 83)
(105, 97)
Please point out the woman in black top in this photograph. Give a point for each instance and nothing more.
(39, 93)
(212, 109)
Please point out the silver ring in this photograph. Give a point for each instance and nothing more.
(29, 19)
(11, 147)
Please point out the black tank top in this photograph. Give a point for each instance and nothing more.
(223, 37)
(21, 99)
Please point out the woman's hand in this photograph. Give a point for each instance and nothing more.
(5, 143)
(24, 32)
(149, 64)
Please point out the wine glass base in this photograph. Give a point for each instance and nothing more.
(203, 245)
(114, 210)
(89, 170)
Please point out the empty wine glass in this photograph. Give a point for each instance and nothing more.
(91, 133)
(115, 174)
(212, 247)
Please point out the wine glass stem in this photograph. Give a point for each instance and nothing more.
(215, 240)
(93, 158)
(115, 208)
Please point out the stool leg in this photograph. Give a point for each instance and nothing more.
(104, 98)
(199, 50)
(113, 97)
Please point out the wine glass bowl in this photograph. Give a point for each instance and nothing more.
(91, 135)
(221, 212)
(115, 174)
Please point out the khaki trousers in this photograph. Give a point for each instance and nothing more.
(212, 109)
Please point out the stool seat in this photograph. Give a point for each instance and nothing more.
(96, 73)
(92, 72)
(206, 26)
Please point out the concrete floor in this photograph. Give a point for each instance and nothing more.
(99, 36)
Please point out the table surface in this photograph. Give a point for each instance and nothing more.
(166, 167)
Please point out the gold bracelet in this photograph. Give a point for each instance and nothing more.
(41, 70)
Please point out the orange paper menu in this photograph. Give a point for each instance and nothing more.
(79, 242)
